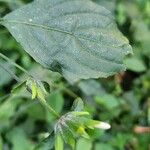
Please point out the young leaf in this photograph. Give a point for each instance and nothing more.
(79, 39)
(34, 90)
(78, 105)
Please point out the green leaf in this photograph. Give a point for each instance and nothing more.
(84, 143)
(91, 87)
(108, 101)
(56, 101)
(47, 143)
(135, 64)
(34, 90)
(7, 110)
(78, 39)
(19, 139)
(59, 144)
(78, 105)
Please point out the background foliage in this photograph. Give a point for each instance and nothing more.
(122, 100)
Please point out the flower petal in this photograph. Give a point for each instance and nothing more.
(103, 125)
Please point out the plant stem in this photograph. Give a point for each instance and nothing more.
(44, 103)
(11, 73)
(65, 89)
(13, 63)
(71, 93)
(49, 108)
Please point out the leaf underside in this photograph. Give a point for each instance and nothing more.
(76, 38)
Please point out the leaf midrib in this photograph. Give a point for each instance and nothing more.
(48, 28)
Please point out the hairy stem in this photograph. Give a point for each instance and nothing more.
(49, 108)
(14, 64)
(66, 90)
(44, 103)
(10, 73)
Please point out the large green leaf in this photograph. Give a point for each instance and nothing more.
(77, 38)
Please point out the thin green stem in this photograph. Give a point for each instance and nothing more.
(13, 63)
(71, 93)
(44, 103)
(49, 108)
(65, 89)
(10, 73)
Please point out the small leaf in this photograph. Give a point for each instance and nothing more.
(107, 101)
(34, 90)
(59, 144)
(135, 64)
(78, 105)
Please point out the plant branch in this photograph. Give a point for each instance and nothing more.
(44, 103)
(15, 64)
(65, 89)
(10, 73)
(49, 108)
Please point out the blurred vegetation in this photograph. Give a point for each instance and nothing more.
(122, 100)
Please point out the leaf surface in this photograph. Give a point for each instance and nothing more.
(78, 39)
